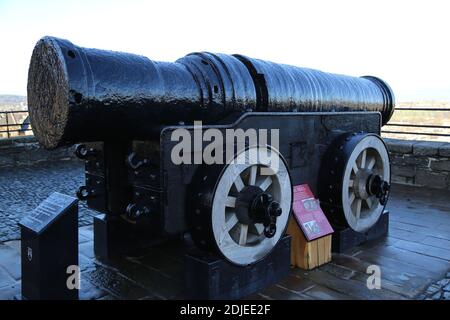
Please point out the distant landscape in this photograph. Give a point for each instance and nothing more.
(12, 102)
(441, 118)
(14, 124)
(434, 118)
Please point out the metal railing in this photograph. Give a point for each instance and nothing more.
(9, 125)
(11, 128)
(418, 126)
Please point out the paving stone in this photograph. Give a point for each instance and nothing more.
(339, 271)
(10, 261)
(433, 289)
(324, 293)
(87, 249)
(158, 282)
(447, 287)
(421, 296)
(446, 295)
(83, 239)
(86, 232)
(108, 297)
(85, 263)
(150, 298)
(442, 283)
(14, 244)
(115, 283)
(88, 291)
(5, 278)
(10, 291)
(436, 296)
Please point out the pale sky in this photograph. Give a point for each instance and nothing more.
(403, 42)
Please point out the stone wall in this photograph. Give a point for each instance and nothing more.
(420, 163)
(26, 150)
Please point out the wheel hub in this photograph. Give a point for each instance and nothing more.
(253, 205)
(378, 187)
(367, 184)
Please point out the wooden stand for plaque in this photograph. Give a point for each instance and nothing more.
(308, 254)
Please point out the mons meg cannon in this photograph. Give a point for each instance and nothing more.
(129, 113)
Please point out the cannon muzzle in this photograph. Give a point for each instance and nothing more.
(78, 94)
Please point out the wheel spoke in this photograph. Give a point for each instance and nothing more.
(259, 228)
(243, 230)
(363, 159)
(371, 163)
(266, 183)
(231, 202)
(352, 198)
(239, 184)
(355, 167)
(231, 222)
(369, 203)
(358, 208)
(252, 177)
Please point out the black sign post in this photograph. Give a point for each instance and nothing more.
(50, 250)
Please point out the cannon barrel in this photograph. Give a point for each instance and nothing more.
(78, 94)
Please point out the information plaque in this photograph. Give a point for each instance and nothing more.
(49, 245)
(309, 215)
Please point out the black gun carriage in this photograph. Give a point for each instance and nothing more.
(124, 110)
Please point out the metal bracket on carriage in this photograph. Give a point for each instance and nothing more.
(83, 193)
(135, 211)
(135, 163)
(83, 152)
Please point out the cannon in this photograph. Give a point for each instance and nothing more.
(124, 111)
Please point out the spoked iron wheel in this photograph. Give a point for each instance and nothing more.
(355, 180)
(242, 208)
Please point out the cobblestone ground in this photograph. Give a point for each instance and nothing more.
(439, 290)
(23, 188)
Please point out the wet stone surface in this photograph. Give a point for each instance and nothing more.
(439, 290)
(23, 188)
(414, 258)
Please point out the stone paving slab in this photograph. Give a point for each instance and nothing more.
(10, 291)
(13, 266)
(140, 278)
(439, 290)
(5, 278)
